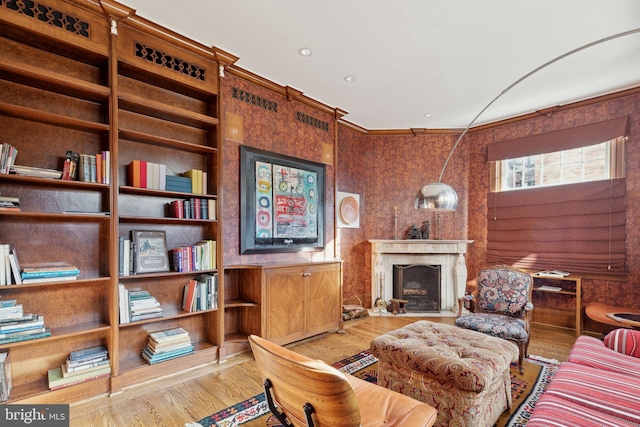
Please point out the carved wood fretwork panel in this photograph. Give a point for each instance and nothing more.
(43, 13)
(170, 62)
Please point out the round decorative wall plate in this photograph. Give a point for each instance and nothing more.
(349, 210)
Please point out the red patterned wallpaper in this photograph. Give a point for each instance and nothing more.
(387, 171)
(279, 132)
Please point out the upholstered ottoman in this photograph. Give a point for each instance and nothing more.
(463, 374)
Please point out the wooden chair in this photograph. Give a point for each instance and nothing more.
(502, 307)
(304, 392)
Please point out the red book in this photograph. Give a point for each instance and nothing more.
(176, 209)
(190, 297)
(196, 208)
(143, 174)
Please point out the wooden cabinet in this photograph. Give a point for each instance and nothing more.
(282, 302)
(92, 86)
(557, 301)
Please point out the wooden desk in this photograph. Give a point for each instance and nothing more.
(570, 285)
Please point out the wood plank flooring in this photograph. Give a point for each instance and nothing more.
(191, 396)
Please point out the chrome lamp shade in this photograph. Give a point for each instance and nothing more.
(438, 197)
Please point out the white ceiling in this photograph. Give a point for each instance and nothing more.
(447, 58)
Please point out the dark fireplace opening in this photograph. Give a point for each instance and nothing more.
(419, 284)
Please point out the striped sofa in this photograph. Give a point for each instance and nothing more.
(598, 385)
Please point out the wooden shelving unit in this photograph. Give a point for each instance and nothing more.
(93, 87)
(571, 288)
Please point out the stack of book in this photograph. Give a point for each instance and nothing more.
(81, 366)
(181, 184)
(5, 376)
(8, 155)
(167, 345)
(193, 208)
(52, 273)
(201, 293)
(137, 304)
(37, 172)
(199, 257)
(16, 326)
(9, 203)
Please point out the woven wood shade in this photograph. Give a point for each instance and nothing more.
(579, 228)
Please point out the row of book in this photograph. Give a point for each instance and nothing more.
(166, 345)
(81, 366)
(144, 174)
(201, 293)
(15, 325)
(9, 266)
(200, 257)
(87, 167)
(8, 203)
(193, 208)
(8, 155)
(137, 304)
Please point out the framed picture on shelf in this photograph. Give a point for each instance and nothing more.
(151, 254)
(282, 202)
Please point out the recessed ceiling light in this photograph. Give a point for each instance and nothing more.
(304, 51)
(427, 115)
(350, 78)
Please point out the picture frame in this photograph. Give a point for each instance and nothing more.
(282, 203)
(151, 255)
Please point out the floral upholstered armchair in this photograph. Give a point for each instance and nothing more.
(502, 306)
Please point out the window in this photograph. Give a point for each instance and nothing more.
(583, 164)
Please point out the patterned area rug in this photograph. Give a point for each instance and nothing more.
(525, 391)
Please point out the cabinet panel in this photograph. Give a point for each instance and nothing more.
(285, 305)
(325, 296)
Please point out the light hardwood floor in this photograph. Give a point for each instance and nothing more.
(193, 395)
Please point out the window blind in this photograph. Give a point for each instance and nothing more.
(580, 136)
(579, 227)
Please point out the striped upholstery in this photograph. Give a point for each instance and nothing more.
(553, 411)
(597, 386)
(592, 352)
(625, 341)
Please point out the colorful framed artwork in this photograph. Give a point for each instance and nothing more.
(282, 202)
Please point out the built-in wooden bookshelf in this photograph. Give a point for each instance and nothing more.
(109, 82)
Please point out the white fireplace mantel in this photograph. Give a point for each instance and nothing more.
(449, 254)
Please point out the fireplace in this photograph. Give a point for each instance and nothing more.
(419, 284)
(448, 254)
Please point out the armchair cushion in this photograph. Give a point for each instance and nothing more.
(503, 291)
(509, 328)
(625, 341)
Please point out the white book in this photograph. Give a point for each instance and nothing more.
(162, 179)
(3, 277)
(127, 257)
(7, 264)
(15, 266)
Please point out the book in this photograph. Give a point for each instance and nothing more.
(57, 380)
(84, 369)
(25, 337)
(549, 288)
(552, 273)
(88, 353)
(5, 375)
(57, 272)
(48, 279)
(36, 172)
(168, 335)
(189, 296)
(15, 266)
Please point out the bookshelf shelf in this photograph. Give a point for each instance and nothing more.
(45, 117)
(162, 111)
(166, 142)
(31, 180)
(162, 193)
(168, 314)
(164, 220)
(52, 81)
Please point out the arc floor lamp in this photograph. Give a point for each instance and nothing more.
(440, 197)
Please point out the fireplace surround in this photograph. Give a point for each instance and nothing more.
(448, 254)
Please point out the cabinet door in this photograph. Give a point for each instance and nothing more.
(324, 298)
(285, 307)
